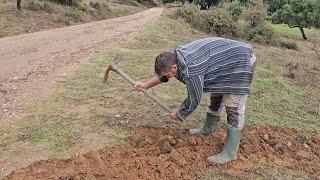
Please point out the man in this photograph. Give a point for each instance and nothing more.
(219, 66)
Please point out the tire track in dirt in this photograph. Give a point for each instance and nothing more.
(30, 64)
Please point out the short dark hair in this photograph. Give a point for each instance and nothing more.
(164, 61)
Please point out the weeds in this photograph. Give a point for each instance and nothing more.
(215, 20)
(4, 28)
(288, 45)
(127, 2)
(48, 6)
(68, 18)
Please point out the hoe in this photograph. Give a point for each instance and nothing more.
(112, 67)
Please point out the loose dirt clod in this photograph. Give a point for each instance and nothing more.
(187, 157)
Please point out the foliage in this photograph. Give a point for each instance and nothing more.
(69, 17)
(48, 6)
(256, 27)
(274, 5)
(288, 45)
(32, 5)
(234, 10)
(215, 20)
(127, 2)
(4, 28)
(298, 13)
(206, 4)
(103, 9)
(66, 2)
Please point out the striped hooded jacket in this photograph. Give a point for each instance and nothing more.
(213, 65)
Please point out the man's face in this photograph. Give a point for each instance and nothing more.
(171, 73)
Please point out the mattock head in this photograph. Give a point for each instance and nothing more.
(112, 66)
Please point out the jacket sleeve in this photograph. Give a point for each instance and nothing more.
(195, 90)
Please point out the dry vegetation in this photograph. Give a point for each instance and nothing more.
(44, 14)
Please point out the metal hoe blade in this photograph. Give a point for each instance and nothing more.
(112, 66)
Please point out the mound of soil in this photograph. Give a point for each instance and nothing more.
(170, 153)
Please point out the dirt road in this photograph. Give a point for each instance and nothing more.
(31, 63)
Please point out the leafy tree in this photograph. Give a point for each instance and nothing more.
(298, 13)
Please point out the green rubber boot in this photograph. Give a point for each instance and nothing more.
(230, 149)
(210, 126)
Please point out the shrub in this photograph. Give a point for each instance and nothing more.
(69, 17)
(189, 13)
(4, 28)
(215, 20)
(206, 4)
(126, 2)
(168, 1)
(48, 6)
(32, 5)
(67, 2)
(288, 45)
(256, 27)
(234, 10)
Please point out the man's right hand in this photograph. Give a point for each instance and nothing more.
(138, 85)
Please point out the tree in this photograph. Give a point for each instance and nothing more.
(298, 13)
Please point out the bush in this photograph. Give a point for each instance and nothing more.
(68, 17)
(48, 6)
(4, 28)
(214, 20)
(206, 4)
(103, 9)
(288, 45)
(256, 27)
(234, 10)
(32, 5)
(67, 2)
(127, 2)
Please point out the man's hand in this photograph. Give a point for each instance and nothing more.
(173, 115)
(139, 85)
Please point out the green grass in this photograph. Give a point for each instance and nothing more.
(276, 103)
(285, 31)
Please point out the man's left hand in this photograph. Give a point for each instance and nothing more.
(173, 115)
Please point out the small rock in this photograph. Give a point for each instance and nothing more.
(289, 144)
(118, 115)
(178, 159)
(166, 148)
(303, 154)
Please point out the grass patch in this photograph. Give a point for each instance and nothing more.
(285, 31)
(127, 2)
(277, 103)
(4, 28)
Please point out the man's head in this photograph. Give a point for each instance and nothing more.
(166, 66)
